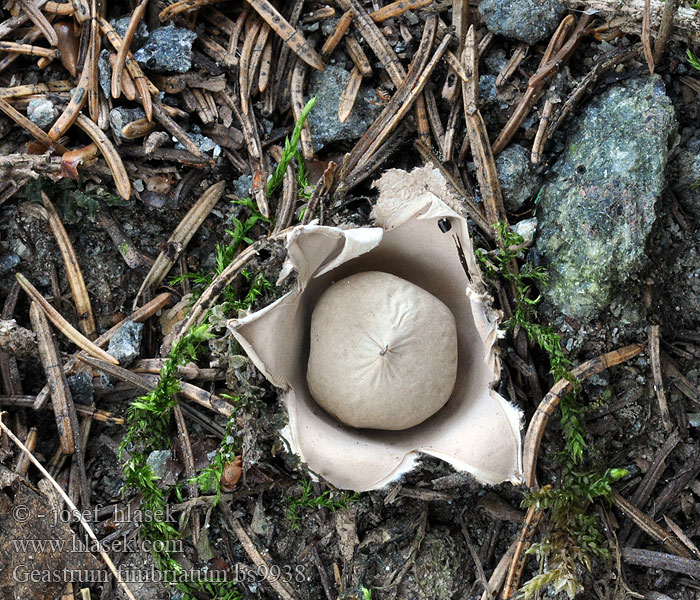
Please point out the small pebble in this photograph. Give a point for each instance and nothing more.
(125, 344)
(42, 112)
(167, 49)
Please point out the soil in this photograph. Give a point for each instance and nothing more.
(411, 540)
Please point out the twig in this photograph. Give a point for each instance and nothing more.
(22, 465)
(298, 104)
(325, 582)
(143, 84)
(538, 423)
(29, 89)
(649, 526)
(290, 36)
(109, 152)
(62, 325)
(349, 95)
(121, 242)
(397, 8)
(670, 8)
(278, 585)
(181, 236)
(94, 48)
(628, 15)
(682, 536)
(153, 366)
(38, 18)
(500, 572)
(658, 379)
(323, 186)
(285, 209)
(507, 71)
(175, 130)
(409, 100)
(70, 504)
(252, 27)
(28, 49)
(84, 411)
(651, 478)
(73, 272)
(609, 61)
(60, 394)
(77, 101)
(35, 131)
(519, 558)
(184, 6)
(340, 30)
(486, 172)
(138, 316)
(481, 576)
(215, 288)
(6, 27)
(660, 560)
(360, 153)
(470, 208)
(646, 36)
(136, 16)
(534, 89)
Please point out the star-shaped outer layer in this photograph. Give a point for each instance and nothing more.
(477, 431)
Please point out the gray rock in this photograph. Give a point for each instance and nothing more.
(125, 344)
(596, 213)
(104, 70)
(205, 144)
(519, 181)
(526, 20)
(158, 461)
(41, 112)
(167, 49)
(243, 185)
(120, 116)
(81, 388)
(526, 229)
(140, 36)
(487, 88)
(684, 172)
(8, 262)
(328, 26)
(495, 60)
(327, 86)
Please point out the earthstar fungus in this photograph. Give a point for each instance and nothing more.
(416, 243)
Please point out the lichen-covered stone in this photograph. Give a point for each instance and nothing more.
(596, 213)
(529, 21)
(167, 49)
(519, 180)
(125, 344)
(327, 86)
